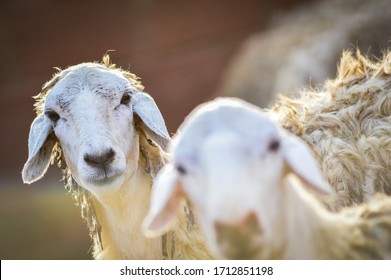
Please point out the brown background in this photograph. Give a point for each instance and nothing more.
(178, 48)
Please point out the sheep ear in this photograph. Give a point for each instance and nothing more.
(301, 162)
(166, 198)
(153, 123)
(40, 145)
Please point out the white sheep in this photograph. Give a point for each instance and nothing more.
(96, 120)
(255, 188)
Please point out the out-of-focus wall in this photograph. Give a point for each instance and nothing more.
(178, 48)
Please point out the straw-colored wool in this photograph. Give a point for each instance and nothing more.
(348, 127)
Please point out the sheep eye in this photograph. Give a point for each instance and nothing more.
(181, 169)
(53, 116)
(125, 100)
(274, 145)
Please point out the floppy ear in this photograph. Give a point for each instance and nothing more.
(301, 162)
(152, 120)
(40, 145)
(166, 198)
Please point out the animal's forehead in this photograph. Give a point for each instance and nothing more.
(218, 118)
(86, 79)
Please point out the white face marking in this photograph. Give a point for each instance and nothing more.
(95, 130)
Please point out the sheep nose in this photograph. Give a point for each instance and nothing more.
(101, 159)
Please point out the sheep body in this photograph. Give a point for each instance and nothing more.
(348, 127)
(109, 136)
(257, 191)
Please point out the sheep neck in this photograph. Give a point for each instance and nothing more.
(312, 231)
(121, 217)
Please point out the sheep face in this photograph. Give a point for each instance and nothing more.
(230, 160)
(228, 190)
(92, 119)
(90, 112)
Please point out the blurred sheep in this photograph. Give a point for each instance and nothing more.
(302, 48)
(254, 187)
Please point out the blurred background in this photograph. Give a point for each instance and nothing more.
(186, 52)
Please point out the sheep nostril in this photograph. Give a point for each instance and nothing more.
(99, 160)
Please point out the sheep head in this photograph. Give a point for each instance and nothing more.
(91, 110)
(229, 161)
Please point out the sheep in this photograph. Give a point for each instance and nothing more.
(95, 120)
(302, 47)
(257, 191)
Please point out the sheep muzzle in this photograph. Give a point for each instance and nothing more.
(238, 240)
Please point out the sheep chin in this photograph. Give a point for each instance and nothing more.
(106, 181)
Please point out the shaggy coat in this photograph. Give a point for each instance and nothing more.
(348, 127)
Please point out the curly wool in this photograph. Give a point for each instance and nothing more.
(369, 231)
(348, 127)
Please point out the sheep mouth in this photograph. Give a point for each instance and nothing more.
(105, 179)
